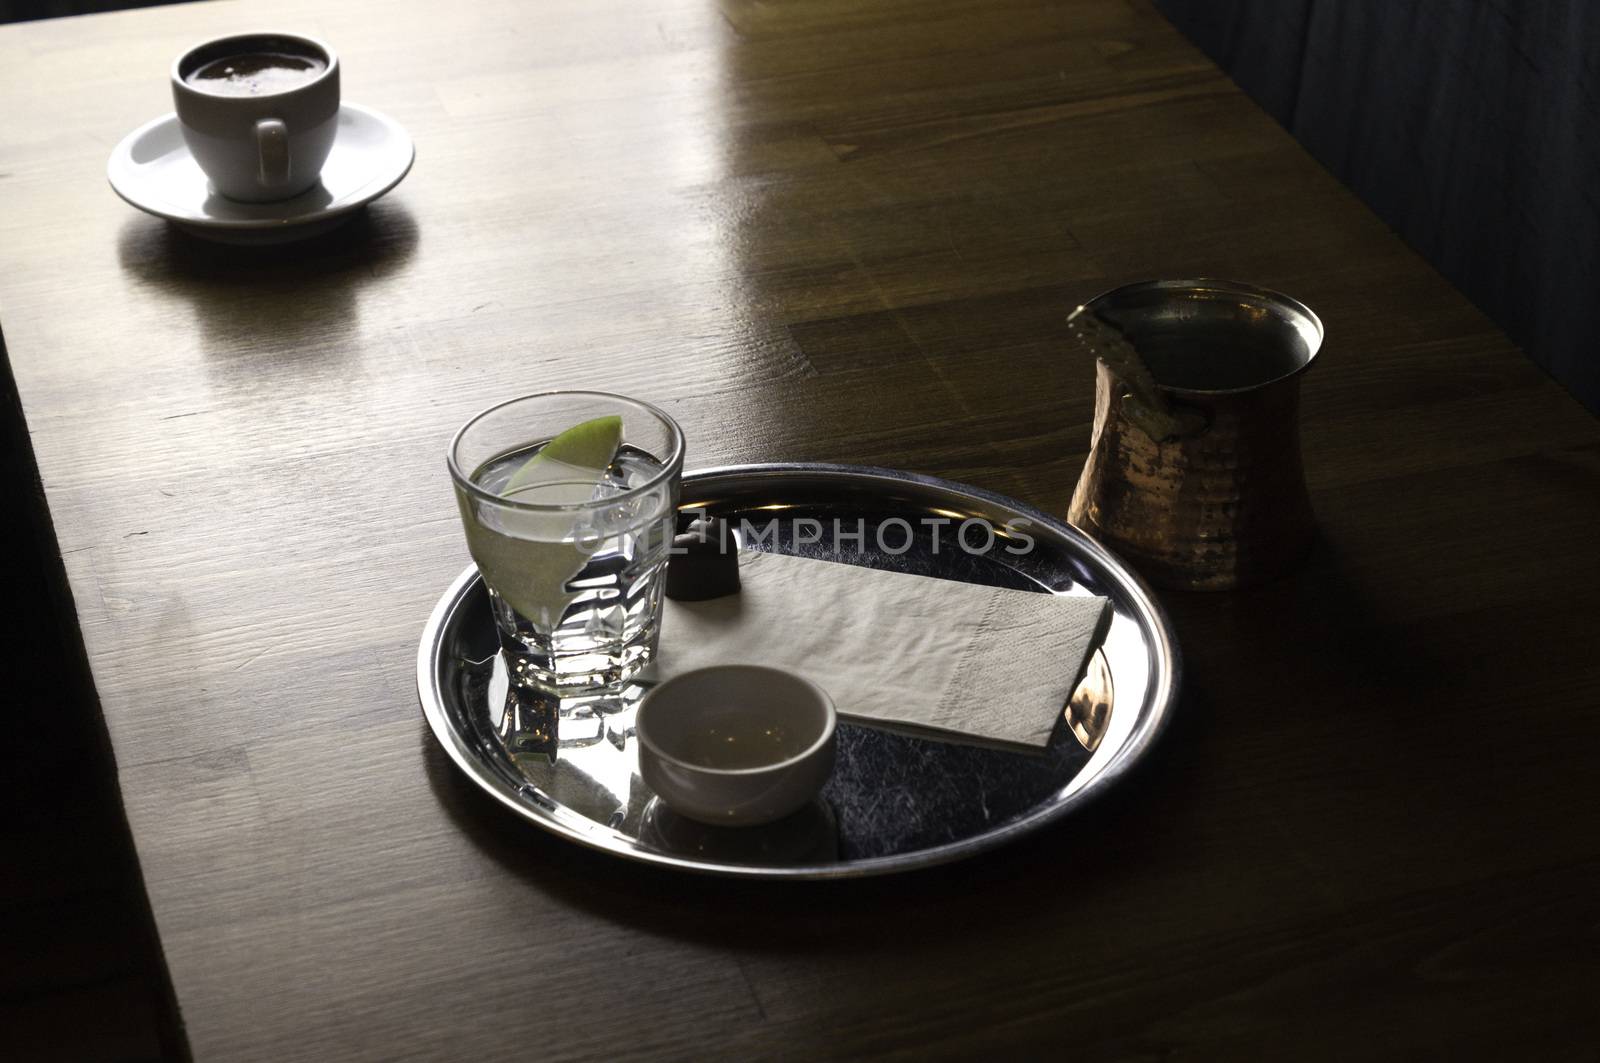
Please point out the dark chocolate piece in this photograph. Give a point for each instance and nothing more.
(704, 562)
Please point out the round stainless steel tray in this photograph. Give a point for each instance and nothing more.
(895, 802)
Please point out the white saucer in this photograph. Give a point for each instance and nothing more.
(153, 170)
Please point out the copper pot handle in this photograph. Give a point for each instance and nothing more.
(1144, 404)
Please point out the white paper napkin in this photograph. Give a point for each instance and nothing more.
(945, 659)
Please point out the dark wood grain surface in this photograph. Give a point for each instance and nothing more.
(831, 231)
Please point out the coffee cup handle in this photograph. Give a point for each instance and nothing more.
(272, 144)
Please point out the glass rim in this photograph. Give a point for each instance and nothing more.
(670, 467)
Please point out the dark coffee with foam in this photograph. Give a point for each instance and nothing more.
(255, 73)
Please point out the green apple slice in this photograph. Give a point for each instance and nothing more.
(529, 557)
(577, 456)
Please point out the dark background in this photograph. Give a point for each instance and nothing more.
(1470, 126)
(24, 10)
(81, 976)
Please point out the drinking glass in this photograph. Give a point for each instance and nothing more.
(574, 557)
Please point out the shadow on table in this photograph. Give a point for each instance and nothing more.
(238, 293)
(1064, 865)
(1323, 629)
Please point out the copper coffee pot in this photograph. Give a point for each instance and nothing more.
(1194, 471)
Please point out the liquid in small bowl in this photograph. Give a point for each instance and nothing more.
(736, 745)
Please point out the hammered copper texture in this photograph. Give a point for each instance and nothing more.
(1221, 508)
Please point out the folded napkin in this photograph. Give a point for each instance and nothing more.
(948, 660)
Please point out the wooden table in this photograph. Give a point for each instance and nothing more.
(829, 231)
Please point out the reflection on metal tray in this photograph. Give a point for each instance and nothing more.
(895, 801)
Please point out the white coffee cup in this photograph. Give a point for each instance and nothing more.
(259, 141)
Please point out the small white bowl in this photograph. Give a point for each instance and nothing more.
(737, 744)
